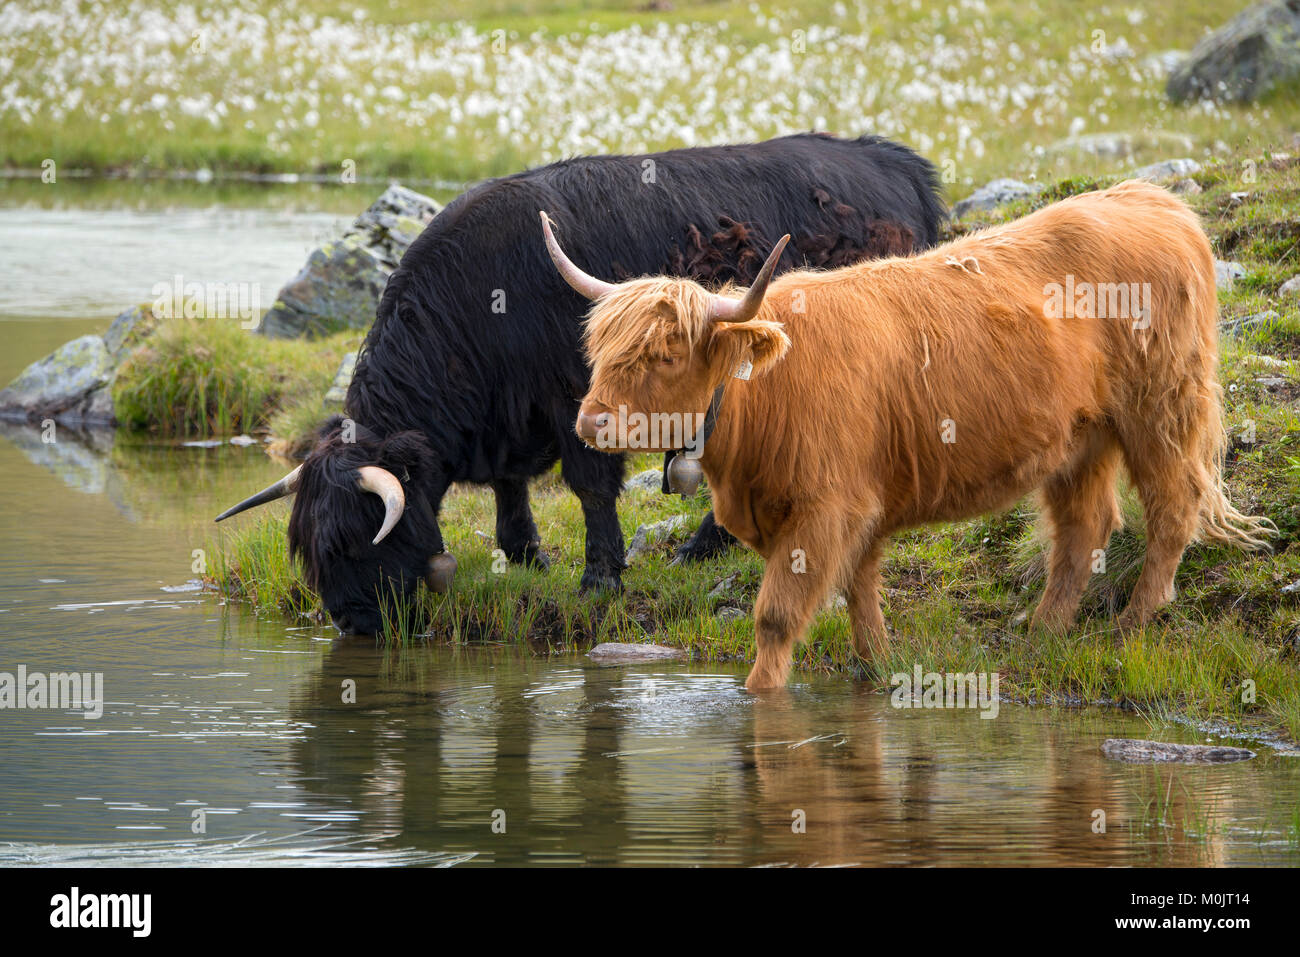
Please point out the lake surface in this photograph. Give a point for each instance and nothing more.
(243, 728)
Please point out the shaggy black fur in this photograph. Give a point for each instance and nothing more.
(473, 368)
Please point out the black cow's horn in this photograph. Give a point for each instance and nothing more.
(731, 310)
(384, 484)
(586, 285)
(286, 486)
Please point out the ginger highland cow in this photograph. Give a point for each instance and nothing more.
(1040, 354)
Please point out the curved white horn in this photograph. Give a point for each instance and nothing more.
(384, 484)
(286, 486)
(742, 310)
(586, 285)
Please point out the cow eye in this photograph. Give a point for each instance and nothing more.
(668, 360)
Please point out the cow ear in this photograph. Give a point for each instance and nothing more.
(760, 341)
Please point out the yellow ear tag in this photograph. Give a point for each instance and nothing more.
(743, 370)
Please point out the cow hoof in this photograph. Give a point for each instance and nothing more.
(532, 556)
(598, 583)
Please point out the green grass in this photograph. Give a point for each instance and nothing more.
(212, 377)
(460, 90)
(955, 595)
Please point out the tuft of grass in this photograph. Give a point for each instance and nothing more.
(211, 377)
(255, 567)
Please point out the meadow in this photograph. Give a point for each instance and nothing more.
(453, 92)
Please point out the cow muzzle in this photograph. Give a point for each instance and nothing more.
(442, 569)
(590, 424)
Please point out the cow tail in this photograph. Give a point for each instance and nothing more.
(1220, 521)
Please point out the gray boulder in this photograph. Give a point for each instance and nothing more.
(61, 385)
(1290, 288)
(1253, 53)
(991, 195)
(651, 480)
(1225, 273)
(1167, 169)
(652, 534)
(338, 390)
(340, 285)
(1136, 751)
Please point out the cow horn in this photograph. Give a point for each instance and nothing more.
(731, 310)
(286, 486)
(384, 484)
(586, 285)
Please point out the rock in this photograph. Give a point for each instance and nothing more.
(340, 285)
(728, 613)
(1167, 169)
(1134, 751)
(653, 534)
(393, 221)
(1254, 52)
(1289, 288)
(1120, 145)
(243, 440)
(1235, 327)
(1273, 382)
(621, 653)
(651, 480)
(1225, 273)
(128, 330)
(337, 289)
(1164, 62)
(994, 194)
(724, 586)
(61, 385)
(1186, 187)
(1292, 588)
(338, 390)
(1265, 362)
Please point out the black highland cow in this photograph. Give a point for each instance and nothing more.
(473, 369)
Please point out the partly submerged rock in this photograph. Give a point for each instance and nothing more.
(993, 194)
(340, 285)
(622, 653)
(1255, 52)
(1136, 751)
(62, 385)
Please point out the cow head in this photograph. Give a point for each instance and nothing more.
(362, 523)
(659, 347)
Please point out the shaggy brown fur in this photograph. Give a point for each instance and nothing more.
(906, 391)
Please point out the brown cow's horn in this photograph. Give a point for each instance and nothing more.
(730, 310)
(286, 486)
(384, 484)
(588, 286)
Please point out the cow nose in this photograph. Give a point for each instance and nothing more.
(589, 425)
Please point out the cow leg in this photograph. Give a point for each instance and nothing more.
(870, 638)
(596, 478)
(1083, 512)
(516, 531)
(802, 565)
(1170, 497)
(710, 539)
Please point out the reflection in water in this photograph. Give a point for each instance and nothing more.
(290, 744)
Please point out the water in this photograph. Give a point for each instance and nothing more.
(485, 754)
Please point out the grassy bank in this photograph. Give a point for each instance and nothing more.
(465, 90)
(956, 595)
(201, 377)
